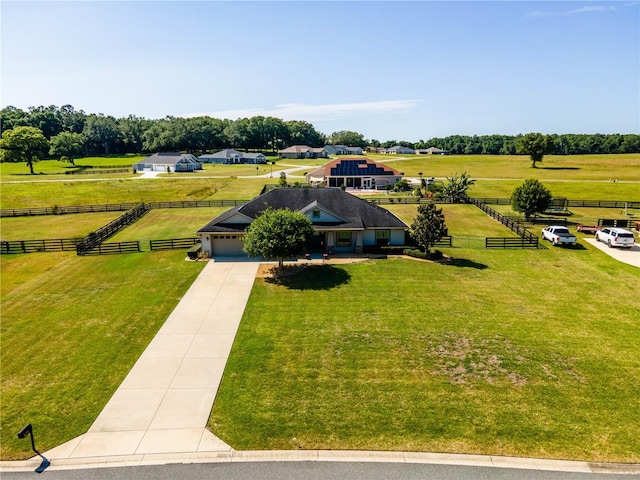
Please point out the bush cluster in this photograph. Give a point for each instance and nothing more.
(412, 252)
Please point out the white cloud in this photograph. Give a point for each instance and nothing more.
(591, 8)
(586, 9)
(300, 111)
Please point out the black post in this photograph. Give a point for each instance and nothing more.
(28, 430)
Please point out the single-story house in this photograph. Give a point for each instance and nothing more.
(169, 161)
(354, 173)
(431, 151)
(343, 150)
(399, 149)
(342, 222)
(374, 149)
(230, 155)
(303, 151)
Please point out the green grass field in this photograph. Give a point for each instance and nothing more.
(72, 327)
(526, 353)
(174, 188)
(523, 352)
(53, 226)
(169, 223)
(553, 167)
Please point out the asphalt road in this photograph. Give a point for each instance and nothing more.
(312, 471)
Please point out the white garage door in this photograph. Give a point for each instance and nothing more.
(230, 246)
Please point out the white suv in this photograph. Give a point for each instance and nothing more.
(616, 237)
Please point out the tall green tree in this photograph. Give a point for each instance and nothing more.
(23, 144)
(429, 226)
(457, 187)
(66, 144)
(531, 197)
(303, 133)
(278, 233)
(11, 117)
(349, 138)
(101, 131)
(536, 145)
(132, 130)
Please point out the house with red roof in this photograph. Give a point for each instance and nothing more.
(358, 172)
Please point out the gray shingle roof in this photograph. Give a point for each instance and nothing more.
(357, 213)
(167, 158)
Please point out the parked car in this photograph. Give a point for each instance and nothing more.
(616, 237)
(558, 235)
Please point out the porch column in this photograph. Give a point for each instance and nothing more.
(359, 242)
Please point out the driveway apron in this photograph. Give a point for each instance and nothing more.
(163, 404)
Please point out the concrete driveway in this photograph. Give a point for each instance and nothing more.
(163, 405)
(630, 256)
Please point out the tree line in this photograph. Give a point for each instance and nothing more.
(98, 134)
(561, 144)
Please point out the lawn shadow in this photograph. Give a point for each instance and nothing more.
(311, 277)
(463, 262)
(559, 168)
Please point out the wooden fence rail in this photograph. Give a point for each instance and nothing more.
(91, 241)
(617, 222)
(572, 203)
(45, 245)
(114, 247)
(26, 212)
(536, 220)
(510, 242)
(173, 243)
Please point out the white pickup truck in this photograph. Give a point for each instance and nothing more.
(558, 235)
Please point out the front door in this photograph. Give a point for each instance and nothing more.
(317, 243)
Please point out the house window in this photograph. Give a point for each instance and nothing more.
(316, 213)
(382, 237)
(344, 239)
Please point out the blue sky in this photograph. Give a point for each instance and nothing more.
(387, 69)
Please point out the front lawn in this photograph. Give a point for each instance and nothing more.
(528, 353)
(72, 328)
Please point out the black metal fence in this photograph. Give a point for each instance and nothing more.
(31, 246)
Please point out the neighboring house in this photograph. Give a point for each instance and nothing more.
(233, 156)
(375, 149)
(169, 161)
(398, 149)
(354, 173)
(342, 222)
(431, 151)
(303, 151)
(254, 158)
(343, 150)
(228, 155)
